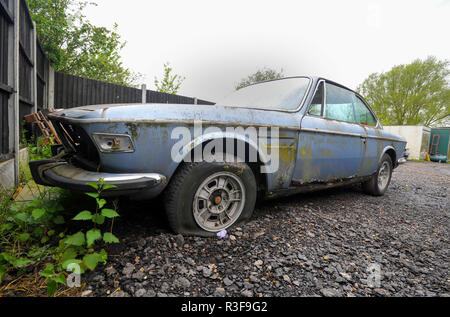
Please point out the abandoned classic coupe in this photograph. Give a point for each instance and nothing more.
(274, 138)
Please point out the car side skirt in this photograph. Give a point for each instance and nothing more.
(298, 187)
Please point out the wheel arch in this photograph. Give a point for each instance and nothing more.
(390, 150)
(189, 149)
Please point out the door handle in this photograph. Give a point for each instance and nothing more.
(364, 138)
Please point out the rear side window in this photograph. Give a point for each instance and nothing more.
(316, 108)
(339, 104)
(363, 114)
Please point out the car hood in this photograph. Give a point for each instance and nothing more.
(176, 112)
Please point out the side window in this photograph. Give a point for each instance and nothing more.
(363, 115)
(339, 104)
(316, 108)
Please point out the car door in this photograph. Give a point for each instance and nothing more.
(330, 141)
(373, 146)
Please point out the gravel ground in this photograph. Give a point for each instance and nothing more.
(329, 243)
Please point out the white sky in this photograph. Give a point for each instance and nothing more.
(216, 43)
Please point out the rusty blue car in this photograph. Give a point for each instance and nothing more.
(211, 163)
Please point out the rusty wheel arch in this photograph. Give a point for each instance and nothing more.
(261, 179)
(392, 153)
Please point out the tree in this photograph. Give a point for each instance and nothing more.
(413, 94)
(170, 84)
(76, 47)
(261, 75)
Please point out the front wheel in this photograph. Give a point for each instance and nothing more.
(379, 183)
(206, 198)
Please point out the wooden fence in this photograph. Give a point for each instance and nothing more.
(72, 91)
(23, 71)
(6, 84)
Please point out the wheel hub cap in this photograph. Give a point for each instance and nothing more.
(219, 201)
(384, 175)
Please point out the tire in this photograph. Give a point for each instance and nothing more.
(185, 195)
(379, 182)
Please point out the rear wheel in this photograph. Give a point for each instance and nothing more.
(206, 198)
(379, 183)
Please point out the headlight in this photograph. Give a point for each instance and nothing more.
(114, 143)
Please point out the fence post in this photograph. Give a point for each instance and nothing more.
(34, 46)
(144, 93)
(51, 88)
(195, 101)
(16, 92)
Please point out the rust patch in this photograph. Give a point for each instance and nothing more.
(104, 112)
(133, 129)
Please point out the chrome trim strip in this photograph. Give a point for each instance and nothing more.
(333, 132)
(169, 121)
(348, 134)
(72, 172)
(382, 138)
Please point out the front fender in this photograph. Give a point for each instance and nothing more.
(220, 135)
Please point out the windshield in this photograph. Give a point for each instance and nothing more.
(283, 94)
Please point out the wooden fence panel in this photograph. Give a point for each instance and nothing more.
(72, 91)
(6, 23)
(159, 97)
(26, 64)
(42, 74)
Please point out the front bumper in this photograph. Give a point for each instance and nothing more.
(62, 174)
(405, 157)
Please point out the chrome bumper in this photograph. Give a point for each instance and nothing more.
(64, 175)
(402, 161)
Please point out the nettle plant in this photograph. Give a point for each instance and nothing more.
(27, 230)
(31, 235)
(78, 250)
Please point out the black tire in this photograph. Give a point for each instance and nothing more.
(373, 186)
(180, 193)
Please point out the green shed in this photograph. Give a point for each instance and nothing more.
(440, 145)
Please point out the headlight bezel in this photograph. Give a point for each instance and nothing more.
(112, 143)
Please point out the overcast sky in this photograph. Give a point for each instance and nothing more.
(216, 43)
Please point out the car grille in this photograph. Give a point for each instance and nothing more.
(78, 143)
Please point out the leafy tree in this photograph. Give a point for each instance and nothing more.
(74, 46)
(170, 84)
(413, 94)
(261, 75)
